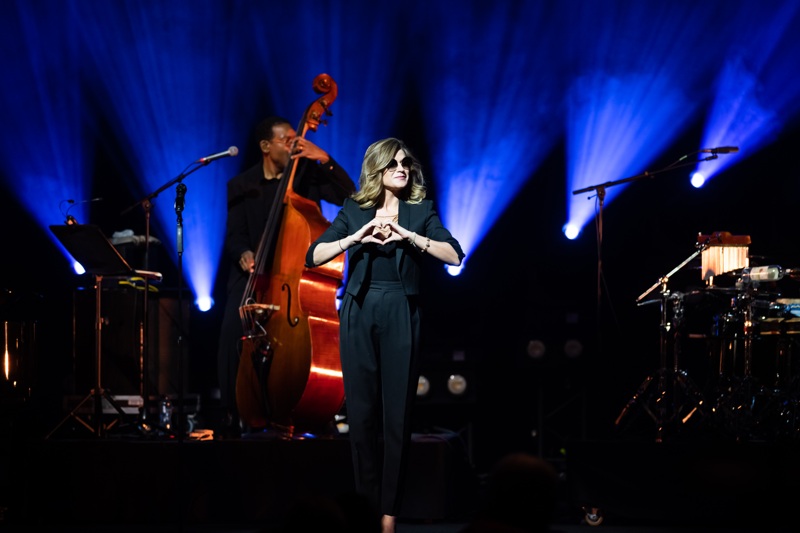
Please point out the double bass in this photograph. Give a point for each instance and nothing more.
(290, 373)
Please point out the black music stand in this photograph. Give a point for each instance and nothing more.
(90, 247)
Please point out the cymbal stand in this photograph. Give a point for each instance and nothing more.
(668, 387)
(738, 401)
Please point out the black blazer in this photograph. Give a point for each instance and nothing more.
(421, 218)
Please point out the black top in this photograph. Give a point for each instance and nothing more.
(420, 218)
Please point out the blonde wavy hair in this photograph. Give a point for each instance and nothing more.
(377, 156)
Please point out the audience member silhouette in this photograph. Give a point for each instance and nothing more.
(520, 497)
(347, 512)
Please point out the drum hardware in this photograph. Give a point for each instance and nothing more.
(752, 344)
(668, 395)
(738, 397)
(759, 403)
(779, 329)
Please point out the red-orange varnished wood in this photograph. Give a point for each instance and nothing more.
(304, 388)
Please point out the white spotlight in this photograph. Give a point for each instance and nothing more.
(571, 231)
(454, 270)
(204, 303)
(698, 180)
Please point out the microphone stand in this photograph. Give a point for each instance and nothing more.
(180, 192)
(144, 357)
(147, 204)
(601, 194)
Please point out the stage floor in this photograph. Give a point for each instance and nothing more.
(124, 481)
(241, 482)
(251, 484)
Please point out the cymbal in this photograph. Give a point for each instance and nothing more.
(717, 289)
(754, 293)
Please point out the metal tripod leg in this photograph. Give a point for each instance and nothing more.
(635, 401)
(97, 426)
(671, 383)
(98, 394)
(663, 403)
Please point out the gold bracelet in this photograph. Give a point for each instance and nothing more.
(427, 245)
(340, 244)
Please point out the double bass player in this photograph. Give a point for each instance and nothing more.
(250, 198)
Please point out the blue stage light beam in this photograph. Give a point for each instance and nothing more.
(157, 76)
(758, 90)
(368, 97)
(43, 156)
(490, 123)
(640, 88)
(616, 127)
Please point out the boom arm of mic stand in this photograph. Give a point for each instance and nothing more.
(170, 183)
(645, 174)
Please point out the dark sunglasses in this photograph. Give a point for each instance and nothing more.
(406, 162)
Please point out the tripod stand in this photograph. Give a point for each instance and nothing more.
(668, 395)
(97, 255)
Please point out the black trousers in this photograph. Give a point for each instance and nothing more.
(379, 350)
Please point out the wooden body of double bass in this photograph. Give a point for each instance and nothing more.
(303, 382)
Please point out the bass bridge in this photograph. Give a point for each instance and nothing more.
(253, 316)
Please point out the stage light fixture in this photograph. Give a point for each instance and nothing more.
(536, 349)
(423, 386)
(457, 384)
(573, 348)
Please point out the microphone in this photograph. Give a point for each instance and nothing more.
(230, 152)
(720, 150)
(84, 201)
(180, 193)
